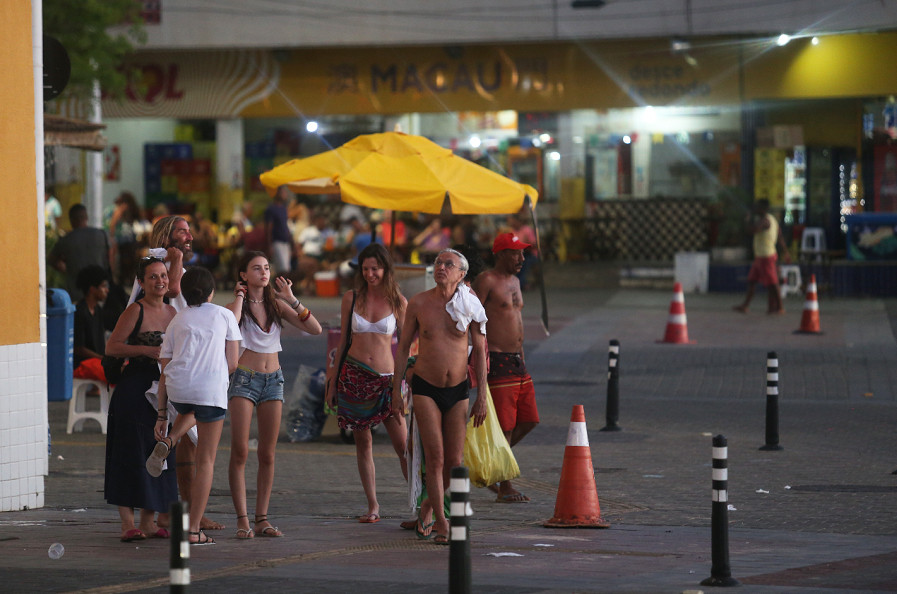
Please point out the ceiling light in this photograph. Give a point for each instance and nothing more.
(475, 141)
(815, 40)
(783, 40)
(311, 126)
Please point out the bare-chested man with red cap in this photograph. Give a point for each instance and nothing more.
(510, 384)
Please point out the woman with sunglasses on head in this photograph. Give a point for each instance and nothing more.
(129, 434)
(362, 393)
(261, 311)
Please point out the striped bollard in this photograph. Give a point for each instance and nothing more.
(179, 567)
(720, 573)
(772, 403)
(612, 413)
(459, 534)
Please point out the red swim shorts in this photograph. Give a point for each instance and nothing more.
(512, 390)
(764, 271)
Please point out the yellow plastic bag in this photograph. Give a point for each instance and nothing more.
(487, 455)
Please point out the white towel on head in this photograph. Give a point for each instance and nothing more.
(465, 308)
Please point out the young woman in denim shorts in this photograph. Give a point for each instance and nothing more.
(257, 383)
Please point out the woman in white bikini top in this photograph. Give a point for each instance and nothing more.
(362, 393)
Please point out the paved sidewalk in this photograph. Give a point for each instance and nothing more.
(818, 516)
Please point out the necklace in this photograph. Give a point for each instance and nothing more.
(255, 300)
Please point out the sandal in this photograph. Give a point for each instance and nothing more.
(441, 539)
(201, 539)
(271, 531)
(157, 458)
(244, 533)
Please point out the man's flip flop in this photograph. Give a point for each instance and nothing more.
(512, 498)
(369, 518)
(420, 529)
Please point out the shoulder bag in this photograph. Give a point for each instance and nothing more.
(342, 357)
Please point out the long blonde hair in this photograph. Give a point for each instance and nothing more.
(162, 230)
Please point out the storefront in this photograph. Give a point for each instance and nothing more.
(585, 122)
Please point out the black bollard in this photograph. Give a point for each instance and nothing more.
(459, 533)
(179, 567)
(720, 573)
(772, 403)
(612, 413)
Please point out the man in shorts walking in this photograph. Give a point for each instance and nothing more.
(509, 382)
(764, 270)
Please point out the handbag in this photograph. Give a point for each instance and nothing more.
(331, 410)
(112, 366)
(487, 454)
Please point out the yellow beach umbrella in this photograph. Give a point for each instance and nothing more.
(396, 171)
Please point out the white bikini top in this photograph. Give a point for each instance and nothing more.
(257, 340)
(385, 326)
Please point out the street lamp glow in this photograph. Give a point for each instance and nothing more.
(311, 126)
(783, 40)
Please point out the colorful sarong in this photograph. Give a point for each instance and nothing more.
(364, 396)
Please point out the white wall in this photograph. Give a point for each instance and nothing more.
(256, 23)
(130, 136)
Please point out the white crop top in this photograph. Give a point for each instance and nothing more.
(257, 340)
(385, 326)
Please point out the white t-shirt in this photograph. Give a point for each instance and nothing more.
(194, 341)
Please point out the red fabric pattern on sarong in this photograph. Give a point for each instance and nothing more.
(364, 396)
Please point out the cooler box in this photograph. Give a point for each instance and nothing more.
(60, 344)
(692, 270)
(327, 283)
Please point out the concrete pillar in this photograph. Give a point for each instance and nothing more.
(93, 195)
(229, 145)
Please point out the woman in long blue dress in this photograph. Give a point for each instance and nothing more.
(129, 431)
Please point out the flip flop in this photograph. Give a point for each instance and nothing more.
(162, 533)
(133, 534)
(512, 498)
(201, 539)
(245, 533)
(441, 539)
(420, 528)
(408, 524)
(369, 518)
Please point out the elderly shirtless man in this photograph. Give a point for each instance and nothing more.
(510, 384)
(443, 317)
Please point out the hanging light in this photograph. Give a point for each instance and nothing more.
(783, 40)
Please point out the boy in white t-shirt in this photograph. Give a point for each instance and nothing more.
(201, 348)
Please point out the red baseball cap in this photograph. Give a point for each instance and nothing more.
(508, 241)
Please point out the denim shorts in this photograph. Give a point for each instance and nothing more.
(256, 386)
(202, 412)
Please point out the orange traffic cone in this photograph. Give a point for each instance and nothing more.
(677, 326)
(809, 321)
(577, 503)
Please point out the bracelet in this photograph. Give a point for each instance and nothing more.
(305, 315)
(161, 409)
(161, 418)
(295, 304)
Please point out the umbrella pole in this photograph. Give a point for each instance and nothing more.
(392, 230)
(540, 277)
